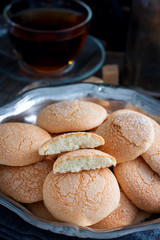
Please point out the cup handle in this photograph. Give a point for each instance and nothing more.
(3, 26)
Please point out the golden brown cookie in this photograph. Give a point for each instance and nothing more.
(25, 184)
(124, 214)
(20, 142)
(127, 134)
(82, 198)
(70, 116)
(70, 141)
(140, 183)
(83, 159)
(152, 155)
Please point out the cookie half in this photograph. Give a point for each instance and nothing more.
(83, 159)
(71, 141)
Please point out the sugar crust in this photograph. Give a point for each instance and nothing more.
(140, 183)
(19, 143)
(152, 155)
(73, 115)
(124, 214)
(127, 134)
(82, 198)
(25, 183)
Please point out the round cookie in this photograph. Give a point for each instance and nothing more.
(39, 209)
(83, 159)
(25, 184)
(127, 134)
(140, 183)
(82, 198)
(152, 155)
(70, 116)
(20, 142)
(124, 214)
(70, 141)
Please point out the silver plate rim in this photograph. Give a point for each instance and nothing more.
(26, 100)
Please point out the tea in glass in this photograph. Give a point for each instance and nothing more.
(48, 35)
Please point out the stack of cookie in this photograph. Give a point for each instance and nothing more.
(85, 166)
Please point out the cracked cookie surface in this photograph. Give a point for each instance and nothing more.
(152, 155)
(124, 214)
(25, 183)
(68, 116)
(82, 198)
(19, 143)
(140, 183)
(127, 134)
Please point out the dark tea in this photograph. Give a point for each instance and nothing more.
(48, 39)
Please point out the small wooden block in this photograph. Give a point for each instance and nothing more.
(94, 80)
(110, 74)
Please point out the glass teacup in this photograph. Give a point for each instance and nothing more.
(47, 35)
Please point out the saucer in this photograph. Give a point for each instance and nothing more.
(88, 61)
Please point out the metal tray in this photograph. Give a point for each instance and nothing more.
(24, 108)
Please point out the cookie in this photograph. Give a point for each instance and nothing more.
(124, 214)
(140, 183)
(82, 198)
(152, 155)
(70, 116)
(20, 142)
(25, 184)
(71, 141)
(127, 135)
(83, 159)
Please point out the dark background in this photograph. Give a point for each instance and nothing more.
(110, 21)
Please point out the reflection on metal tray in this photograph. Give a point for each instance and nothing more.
(25, 107)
